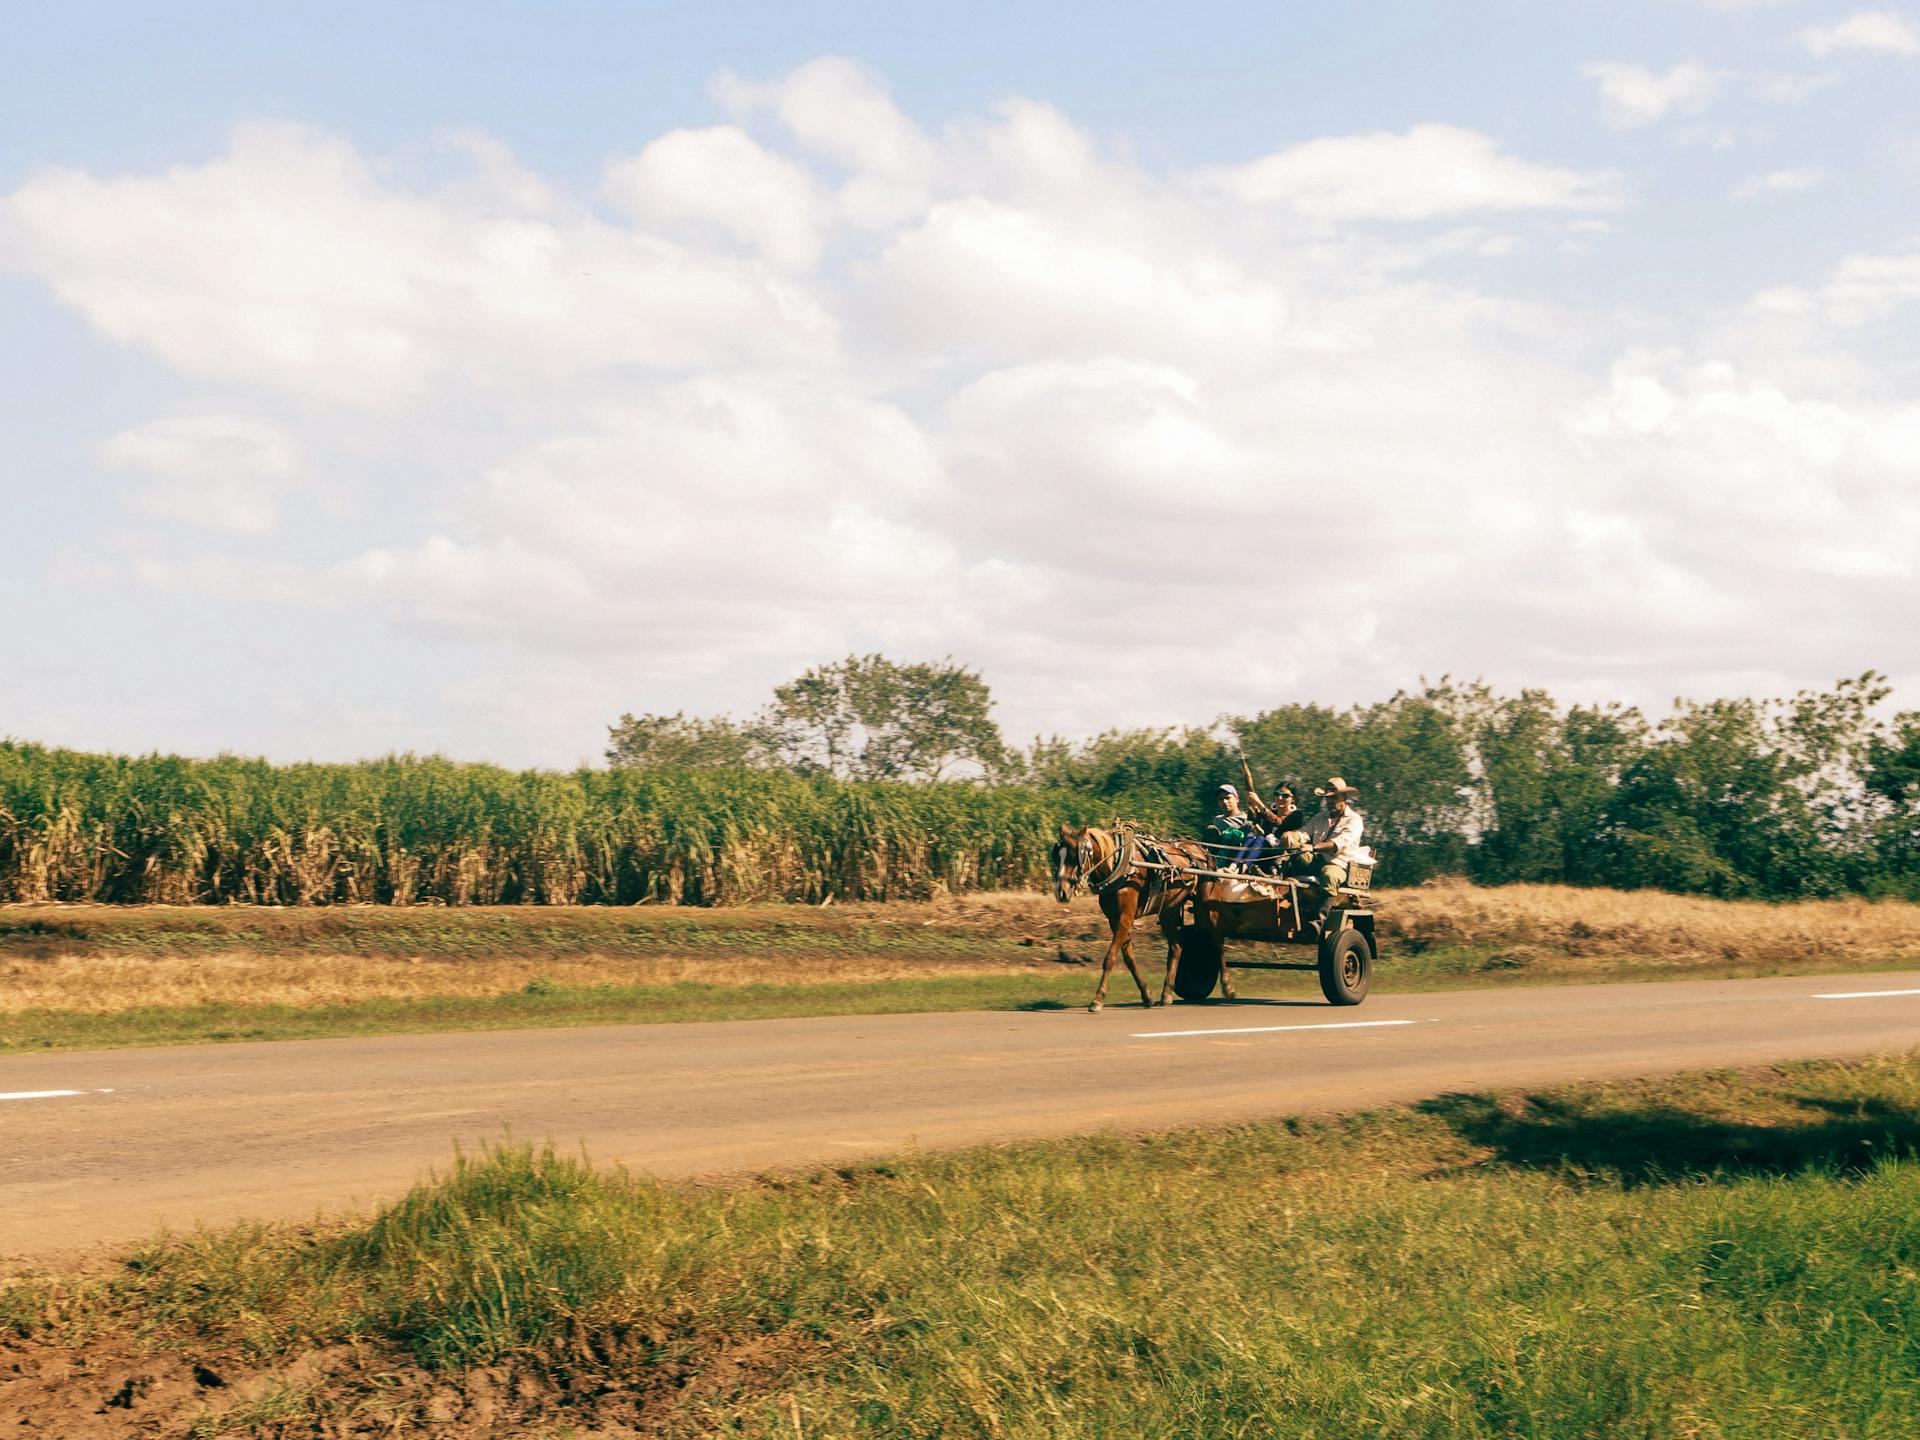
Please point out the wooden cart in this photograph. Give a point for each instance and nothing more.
(1267, 908)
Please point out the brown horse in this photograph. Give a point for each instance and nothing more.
(1133, 876)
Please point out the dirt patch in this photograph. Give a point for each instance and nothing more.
(639, 1384)
(95, 959)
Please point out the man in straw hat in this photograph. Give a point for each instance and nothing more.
(1334, 835)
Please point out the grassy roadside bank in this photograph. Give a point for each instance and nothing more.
(85, 976)
(1716, 1255)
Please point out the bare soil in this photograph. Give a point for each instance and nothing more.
(114, 1388)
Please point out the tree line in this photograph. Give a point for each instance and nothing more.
(1817, 793)
(871, 780)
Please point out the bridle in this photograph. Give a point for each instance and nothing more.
(1087, 855)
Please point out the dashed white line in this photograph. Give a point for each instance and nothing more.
(1864, 994)
(49, 1094)
(1271, 1029)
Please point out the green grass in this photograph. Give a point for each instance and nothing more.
(538, 1007)
(1722, 1255)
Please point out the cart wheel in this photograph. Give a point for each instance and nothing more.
(1346, 968)
(1199, 963)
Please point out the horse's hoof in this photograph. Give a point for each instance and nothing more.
(1164, 1000)
(1095, 1008)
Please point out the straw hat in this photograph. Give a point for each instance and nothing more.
(1335, 786)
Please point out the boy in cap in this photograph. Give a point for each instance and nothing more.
(1233, 826)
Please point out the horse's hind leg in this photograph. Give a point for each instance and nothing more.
(1170, 931)
(1219, 943)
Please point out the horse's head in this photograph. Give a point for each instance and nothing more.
(1070, 856)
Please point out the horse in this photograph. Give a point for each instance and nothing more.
(1133, 876)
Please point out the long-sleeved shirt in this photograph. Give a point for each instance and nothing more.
(1344, 830)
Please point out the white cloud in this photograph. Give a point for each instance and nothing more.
(834, 107)
(1780, 182)
(216, 471)
(1634, 95)
(999, 281)
(1882, 31)
(715, 511)
(1426, 172)
(831, 382)
(720, 178)
(287, 263)
(1859, 290)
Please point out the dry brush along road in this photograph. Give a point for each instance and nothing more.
(104, 1146)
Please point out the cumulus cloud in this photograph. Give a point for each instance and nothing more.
(837, 108)
(819, 379)
(721, 180)
(1881, 31)
(1634, 95)
(1426, 172)
(288, 262)
(217, 471)
(1859, 290)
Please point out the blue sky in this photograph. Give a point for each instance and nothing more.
(458, 376)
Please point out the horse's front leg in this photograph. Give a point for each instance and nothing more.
(1118, 931)
(1126, 953)
(1129, 904)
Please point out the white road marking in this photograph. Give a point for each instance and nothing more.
(1271, 1029)
(1865, 994)
(49, 1094)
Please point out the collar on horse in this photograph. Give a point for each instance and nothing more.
(1118, 867)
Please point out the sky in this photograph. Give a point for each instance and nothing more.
(457, 377)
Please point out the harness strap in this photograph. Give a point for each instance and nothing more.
(1118, 868)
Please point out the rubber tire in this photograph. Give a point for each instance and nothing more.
(1346, 968)
(1199, 969)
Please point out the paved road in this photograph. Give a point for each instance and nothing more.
(130, 1139)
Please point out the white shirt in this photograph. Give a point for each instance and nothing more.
(1343, 830)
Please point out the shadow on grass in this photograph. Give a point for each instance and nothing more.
(1044, 1005)
(1656, 1143)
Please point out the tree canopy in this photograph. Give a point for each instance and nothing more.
(862, 718)
(1813, 794)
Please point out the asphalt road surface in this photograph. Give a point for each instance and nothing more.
(106, 1146)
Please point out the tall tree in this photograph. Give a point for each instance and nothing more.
(869, 718)
(682, 742)
(1165, 776)
(1893, 780)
